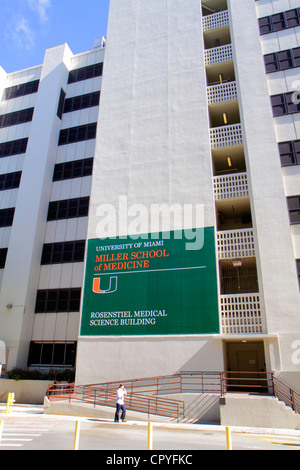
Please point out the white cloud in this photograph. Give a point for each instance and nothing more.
(24, 27)
(23, 35)
(40, 7)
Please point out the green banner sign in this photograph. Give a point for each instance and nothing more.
(150, 286)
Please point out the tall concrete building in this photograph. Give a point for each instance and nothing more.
(156, 229)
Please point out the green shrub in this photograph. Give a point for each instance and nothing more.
(26, 374)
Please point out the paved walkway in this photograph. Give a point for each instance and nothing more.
(28, 428)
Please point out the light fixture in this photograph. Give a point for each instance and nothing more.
(237, 263)
(229, 162)
(9, 306)
(225, 118)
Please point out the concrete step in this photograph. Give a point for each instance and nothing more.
(236, 409)
(257, 411)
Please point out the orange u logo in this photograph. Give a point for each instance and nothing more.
(113, 283)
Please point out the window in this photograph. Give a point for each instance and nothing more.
(7, 217)
(285, 60)
(235, 280)
(292, 18)
(81, 102)
(64, 252)
(85, 73)
(10, 180)
(68, 208)
(296, 56)
(74, 169)
(278, 105)
(58, 300)
(271, 62)
(21, 90)
(292, 99)
(282, 60)
(77, 134)
(285, 103)
(294, 209)
(289, 152)
(61, 103)
(265, 25)
(14, 147)
(18, 117)
(3, 254)
(46, 353)
(279, 21)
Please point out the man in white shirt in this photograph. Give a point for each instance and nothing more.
(120, 405)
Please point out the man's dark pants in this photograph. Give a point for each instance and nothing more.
(118, 409)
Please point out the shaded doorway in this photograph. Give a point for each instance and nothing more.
(246, 367)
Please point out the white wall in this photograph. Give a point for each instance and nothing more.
(110, 359)
(63, 326)
(276, 261)
(153, 147)
(286, 127)
(23, 274)
(153, 141)
(20, 279)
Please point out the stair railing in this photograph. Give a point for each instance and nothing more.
(284, 392)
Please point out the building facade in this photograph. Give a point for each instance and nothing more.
(158, 231)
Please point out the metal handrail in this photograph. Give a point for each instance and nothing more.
(285, 393)
(136, 402)
(183, 382)
(144, 392)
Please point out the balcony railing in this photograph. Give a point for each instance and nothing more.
(217, 20)
(235, 244)
(215, 55)
(226, 136)
(221, 93)
(241, 314)
(231, 186)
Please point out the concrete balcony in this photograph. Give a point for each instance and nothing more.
(234, 244)
(226, 136)
(221, 93)
(241, 314)
(231, 186)
(217, 20)
(216, 55)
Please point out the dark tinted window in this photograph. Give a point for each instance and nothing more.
(21, 90)
(84, 73)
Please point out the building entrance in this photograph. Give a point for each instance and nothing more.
(246, 367)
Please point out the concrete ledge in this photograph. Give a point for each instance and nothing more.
(257, 411)
(26, 391)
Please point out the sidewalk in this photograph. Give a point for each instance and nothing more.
(139, 419)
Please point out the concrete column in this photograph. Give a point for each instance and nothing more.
(153, 148)
(279, 287)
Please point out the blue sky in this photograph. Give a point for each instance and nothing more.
(28, 27)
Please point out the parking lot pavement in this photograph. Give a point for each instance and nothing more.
(27, 428)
